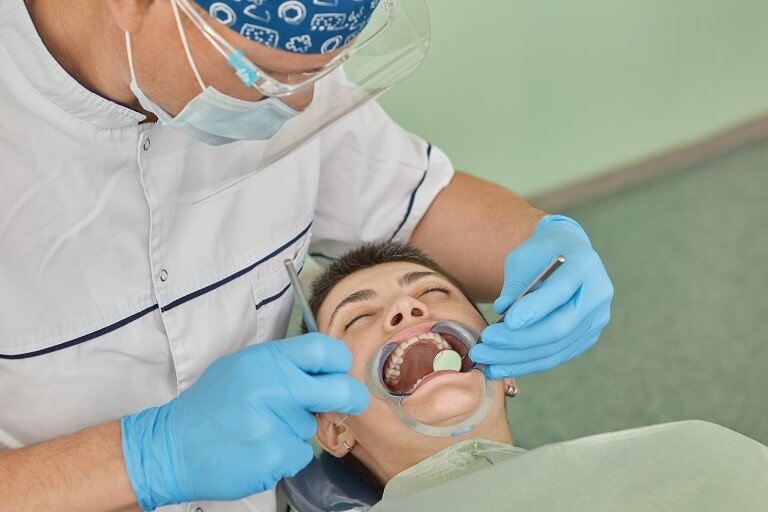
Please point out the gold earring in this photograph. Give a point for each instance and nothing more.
(349, 448)
(511, 390)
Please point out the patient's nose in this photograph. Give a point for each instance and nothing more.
(405, 310)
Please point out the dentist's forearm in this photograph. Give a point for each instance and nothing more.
(470, 228)
(82, 471)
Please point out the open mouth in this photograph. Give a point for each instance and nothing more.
(413, 360)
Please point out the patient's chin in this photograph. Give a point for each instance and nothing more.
(446, 399)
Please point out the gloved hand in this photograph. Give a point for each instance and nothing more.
(243, 425)
(561, 319)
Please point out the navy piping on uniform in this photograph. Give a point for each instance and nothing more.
(279, 294)
(413, 196)
(181, 300)
(82, 339)
(273, 298)
(211, 287)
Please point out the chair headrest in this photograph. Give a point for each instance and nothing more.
(327, 485)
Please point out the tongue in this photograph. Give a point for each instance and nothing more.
(417, 363)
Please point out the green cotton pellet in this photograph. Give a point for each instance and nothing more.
(447, 360)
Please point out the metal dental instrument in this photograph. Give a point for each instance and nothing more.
(554, 265)
(301, 299)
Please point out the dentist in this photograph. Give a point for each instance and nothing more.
(159, 160)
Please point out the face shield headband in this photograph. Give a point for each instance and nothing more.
(299, 27)
(384, 50)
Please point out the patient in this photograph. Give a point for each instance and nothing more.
(392, 292)
(384, 292)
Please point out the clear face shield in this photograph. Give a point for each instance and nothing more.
(390, 47)
(447, 350)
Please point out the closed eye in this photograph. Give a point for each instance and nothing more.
(355, 319)
(435, 289)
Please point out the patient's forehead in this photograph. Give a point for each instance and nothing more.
(381, 278)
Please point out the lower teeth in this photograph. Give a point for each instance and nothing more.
(413, 388)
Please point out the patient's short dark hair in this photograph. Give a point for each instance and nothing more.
(370, 255)
(366, 256)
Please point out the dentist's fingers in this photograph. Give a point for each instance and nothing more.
(333, 393)
(484, 354)
(557, 290)
(296, 455)
(555, 326)
(298, 421)
(514, 363)
(500, 371)
(316, 353)
(502, 353)
(521, 266)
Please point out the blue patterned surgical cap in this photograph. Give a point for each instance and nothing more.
(299, 26)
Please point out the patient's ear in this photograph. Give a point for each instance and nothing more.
(332, 434)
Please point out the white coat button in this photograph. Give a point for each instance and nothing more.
(163, 275)
(146, 144)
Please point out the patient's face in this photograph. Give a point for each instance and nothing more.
(400, 302)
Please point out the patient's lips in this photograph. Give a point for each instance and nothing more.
(413, 360)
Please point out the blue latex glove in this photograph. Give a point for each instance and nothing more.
(561, 319)
(243, 425)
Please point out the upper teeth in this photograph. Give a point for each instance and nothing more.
(392, 371)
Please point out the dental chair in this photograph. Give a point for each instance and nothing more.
(325, 485)
(682, 466)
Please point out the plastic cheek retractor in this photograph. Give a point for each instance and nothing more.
(375, 380)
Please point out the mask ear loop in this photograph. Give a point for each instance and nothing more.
(341, 425)
(129, 51)
(183, 36)
(184, 43)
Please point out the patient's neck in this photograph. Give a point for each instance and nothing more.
(386, 465)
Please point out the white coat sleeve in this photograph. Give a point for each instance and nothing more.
(376, 182)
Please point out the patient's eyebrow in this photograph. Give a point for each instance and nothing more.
(411, 277)
(358, 296)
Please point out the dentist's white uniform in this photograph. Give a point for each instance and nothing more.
(113, 300)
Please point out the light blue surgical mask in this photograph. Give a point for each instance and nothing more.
(213, 117)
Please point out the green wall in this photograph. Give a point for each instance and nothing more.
(688, 337)
(536, 94)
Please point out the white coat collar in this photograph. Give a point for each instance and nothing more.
(21, 40)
